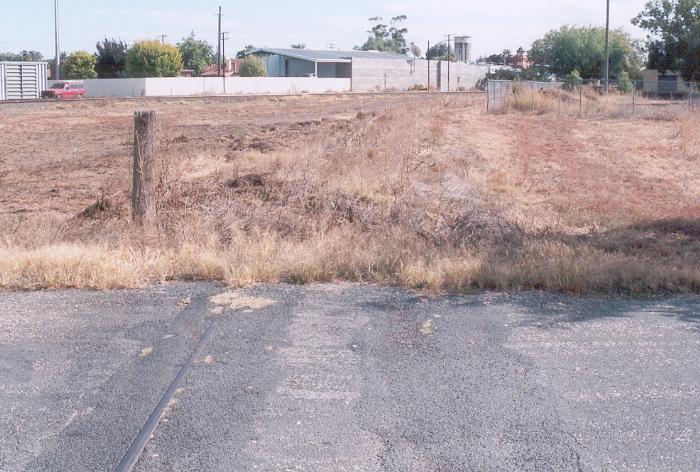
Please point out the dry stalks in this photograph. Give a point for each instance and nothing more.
(383, 198)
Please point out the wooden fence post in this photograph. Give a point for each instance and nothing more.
(143, 200)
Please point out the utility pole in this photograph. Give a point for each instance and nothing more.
(223, 48)
(218, 45)
(449, 59)
(57, 71)
(427, 56)
(162, 38)
(607, 46)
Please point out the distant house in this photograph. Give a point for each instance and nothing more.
(231, 68)
(520, 60)
(668, 83)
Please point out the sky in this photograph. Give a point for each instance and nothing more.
(494, 25)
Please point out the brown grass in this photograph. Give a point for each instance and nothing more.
(427, 193)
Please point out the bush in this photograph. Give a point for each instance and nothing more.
(573, 81)
(153, 59)
(624, 83)
(79, 65)
(252, 66)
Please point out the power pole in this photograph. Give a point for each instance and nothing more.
(427, 56)
(449, 59)
(223, 48)
(57, 72)
(218, 45)
(607, 46)
(162, 38)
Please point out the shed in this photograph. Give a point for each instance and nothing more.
(22, 80)
(669, 83)
(315, 63)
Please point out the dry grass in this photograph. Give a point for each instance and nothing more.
(430, 194)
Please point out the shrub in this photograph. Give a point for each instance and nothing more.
(80, 65)
(624, 83)
(573, 81)
(252, 66)
(153, 59)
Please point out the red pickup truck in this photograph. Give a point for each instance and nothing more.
(65, 90)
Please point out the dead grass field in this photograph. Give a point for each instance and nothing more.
(422, 191)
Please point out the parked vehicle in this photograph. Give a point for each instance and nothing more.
(65, 90)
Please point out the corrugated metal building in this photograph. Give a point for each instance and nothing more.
(22, 80)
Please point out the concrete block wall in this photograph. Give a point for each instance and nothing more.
(374, 75)
(462, 76)
(377, 74)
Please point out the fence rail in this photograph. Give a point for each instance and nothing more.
(589, 98)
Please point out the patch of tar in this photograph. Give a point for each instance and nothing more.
(146, 351)
(426, 328)
(238, 301)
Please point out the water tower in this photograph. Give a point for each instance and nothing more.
(463, 48)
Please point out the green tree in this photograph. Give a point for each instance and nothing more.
(252, 66)
(196, 54)
(673, 42)
(23, 56)
(439, 52)
(583, 48)
(388, 38)
(573, 81)
(79, 65)
(243, 52)
(299, 46)
(624, 83)
(505, 55)
(152, 59)
(111, 58)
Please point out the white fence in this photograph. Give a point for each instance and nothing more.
(202, 86)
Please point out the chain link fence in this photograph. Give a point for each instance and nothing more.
(588, 98)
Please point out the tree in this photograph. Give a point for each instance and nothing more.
(299, 46)
(196, 54)
(583, 48)
(389, 38)
(494, 58)
(243, 52)
(505, 55)
(415, 50)
(439, 52)
(111, 58)
(52, 64)
(23, 56)
(673, 42)
(624, 83)
(79, 65)
(153, 59)
(573, 81)
(252, 66)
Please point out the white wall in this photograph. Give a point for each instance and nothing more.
(115, 87)
(402, 74)
(187, 86)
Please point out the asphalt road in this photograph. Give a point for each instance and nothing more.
(349, 377)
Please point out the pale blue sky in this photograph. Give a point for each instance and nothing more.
(493, 24)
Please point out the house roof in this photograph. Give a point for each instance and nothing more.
(328, 56)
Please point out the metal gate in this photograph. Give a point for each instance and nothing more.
(22, 80)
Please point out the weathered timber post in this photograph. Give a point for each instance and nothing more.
(143, 200)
